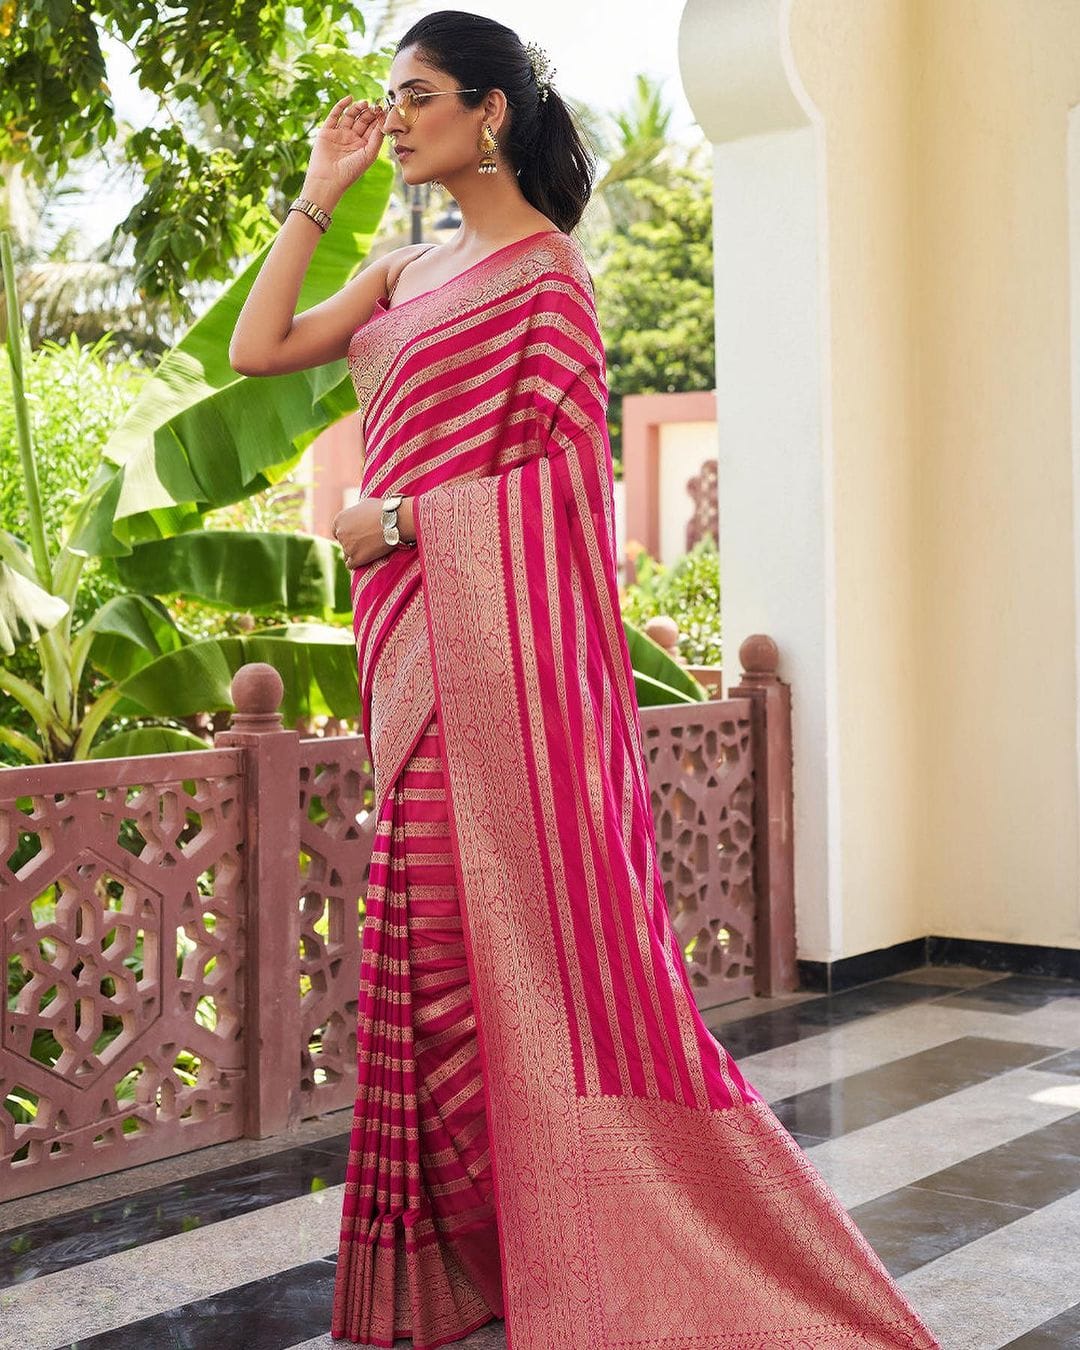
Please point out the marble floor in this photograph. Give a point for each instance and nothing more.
(942, 1105)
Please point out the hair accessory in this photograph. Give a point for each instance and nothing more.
(541, 67)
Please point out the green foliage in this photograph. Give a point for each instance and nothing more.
(635, 143)
(242, 87)
(196, 438)
(658, 677)
(688, 591)
(200, 436)
(75, 396)
(114, 650)
(655, 293)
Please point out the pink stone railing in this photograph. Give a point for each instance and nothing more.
(181, 932)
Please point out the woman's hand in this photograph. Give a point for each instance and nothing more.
(346, 145)
(358, 529)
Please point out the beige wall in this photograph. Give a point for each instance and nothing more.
(854, 62)
(944, 509)
(997, 536)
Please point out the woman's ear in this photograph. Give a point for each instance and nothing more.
(494, 107)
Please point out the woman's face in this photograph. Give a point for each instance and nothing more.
(441, 135)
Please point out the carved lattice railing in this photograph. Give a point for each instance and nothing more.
(336, 832)
(181, 933)
(701, 774)
(123, 938)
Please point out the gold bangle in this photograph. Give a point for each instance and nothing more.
(308, 207)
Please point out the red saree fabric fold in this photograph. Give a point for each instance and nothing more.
(645, 1194)
(420, 1253)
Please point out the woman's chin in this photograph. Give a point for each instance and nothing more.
(413, 174)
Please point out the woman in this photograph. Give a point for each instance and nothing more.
(545, 1130)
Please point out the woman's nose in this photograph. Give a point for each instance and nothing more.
(393, 111)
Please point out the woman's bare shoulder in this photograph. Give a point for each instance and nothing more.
(394, 259)
(393, 255)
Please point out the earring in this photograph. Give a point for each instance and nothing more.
(488, 146)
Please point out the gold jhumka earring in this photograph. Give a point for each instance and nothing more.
(488, 146)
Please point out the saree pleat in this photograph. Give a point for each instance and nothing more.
(419, 1252)
(545, 1127)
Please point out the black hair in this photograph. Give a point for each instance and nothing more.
(554, 167)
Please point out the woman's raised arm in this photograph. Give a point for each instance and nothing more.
(270, 338)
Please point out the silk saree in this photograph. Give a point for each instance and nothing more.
(545, 1129)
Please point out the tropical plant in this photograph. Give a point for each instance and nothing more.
(70, 288)
(632, 144)
(688, 591)
(74, 396)
(189, 443)
(235, 86)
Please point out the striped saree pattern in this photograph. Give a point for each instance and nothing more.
(418, 1180)
(645, 1196)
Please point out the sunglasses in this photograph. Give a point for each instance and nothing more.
(407, 102)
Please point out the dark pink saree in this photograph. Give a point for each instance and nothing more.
(545, 1129)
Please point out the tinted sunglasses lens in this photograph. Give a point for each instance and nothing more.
(405, 103)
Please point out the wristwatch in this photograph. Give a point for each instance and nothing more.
(390, 530)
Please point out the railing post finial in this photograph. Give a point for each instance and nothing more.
(760, 658)
(257, 690)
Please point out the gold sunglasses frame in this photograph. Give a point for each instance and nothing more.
(409, 98)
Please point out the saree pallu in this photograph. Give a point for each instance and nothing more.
(645, 1196)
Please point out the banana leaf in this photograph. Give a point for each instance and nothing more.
(258, 571)
(27, 610)
(129, 632)
(658, 676)
(147, 741)
(199, 435)
(316, 662)
(655, 694)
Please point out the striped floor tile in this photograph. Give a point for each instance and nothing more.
(943, 1106)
